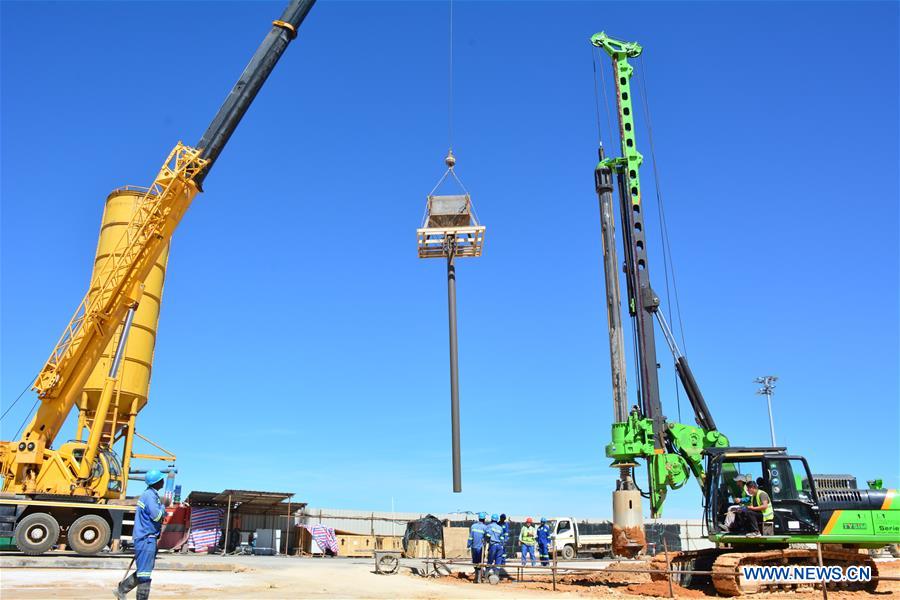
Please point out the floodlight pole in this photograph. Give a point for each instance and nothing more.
(767, 389)
(454, 363)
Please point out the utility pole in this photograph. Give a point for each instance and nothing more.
(767, 389)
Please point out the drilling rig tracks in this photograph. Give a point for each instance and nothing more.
(728, 579)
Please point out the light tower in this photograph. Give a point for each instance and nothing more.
(450, 230)
(767, 389)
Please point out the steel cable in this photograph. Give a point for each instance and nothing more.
(605, 98)
(668, 262)
(596, 97)
(27, 387)
(667, 250)
(450, 83)
(27, 416)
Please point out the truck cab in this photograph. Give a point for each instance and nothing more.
(571, 538)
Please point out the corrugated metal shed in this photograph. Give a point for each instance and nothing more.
(252, 510)
(247, 501)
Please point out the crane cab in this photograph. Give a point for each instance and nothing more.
(106, 479)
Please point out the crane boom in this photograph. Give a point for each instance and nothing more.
(250, 82)
(119, 281)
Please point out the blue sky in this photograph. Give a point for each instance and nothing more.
(303, 346)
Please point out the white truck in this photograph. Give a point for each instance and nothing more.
(571, 538)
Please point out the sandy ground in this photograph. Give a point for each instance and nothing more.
(252, 577)
(616, 583)
(284, 577)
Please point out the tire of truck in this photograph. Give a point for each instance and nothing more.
(88, 535)
(568, 552)
(36, 533)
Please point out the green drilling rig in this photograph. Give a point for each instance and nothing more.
(828, 511)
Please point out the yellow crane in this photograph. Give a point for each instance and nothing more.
(67, 489)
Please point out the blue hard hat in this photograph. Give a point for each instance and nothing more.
(153, 476)
(543, 519)
(494, 517)
(482, 515)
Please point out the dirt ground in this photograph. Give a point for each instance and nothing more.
(249, 577)
(287, 577)
(615, 582)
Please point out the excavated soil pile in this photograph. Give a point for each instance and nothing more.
(616, 573)
(660, 589)
(616, 582)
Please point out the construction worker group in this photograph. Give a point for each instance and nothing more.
(489, 535)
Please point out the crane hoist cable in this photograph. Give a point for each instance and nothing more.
(595, 52)
(19, 397)
(27, 415)
(668, 260)
(450, 159)
(30, 410)
(668, 264)
(450, 85)
(664, 229)
(596, 97)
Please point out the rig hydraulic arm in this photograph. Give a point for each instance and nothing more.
(29, 464)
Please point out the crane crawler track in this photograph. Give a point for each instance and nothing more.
(726, 566)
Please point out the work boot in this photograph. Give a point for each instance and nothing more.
(143, 591)
(125, 586)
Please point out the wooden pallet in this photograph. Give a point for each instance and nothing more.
(433, 242)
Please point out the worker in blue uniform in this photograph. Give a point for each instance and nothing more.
(504, 523)
(495, 536)
(543, 541)
(476, 543)
(148, 519)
